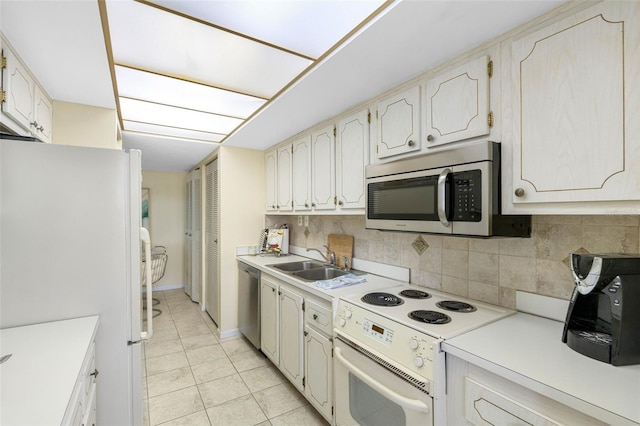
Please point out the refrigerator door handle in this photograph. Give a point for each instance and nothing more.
(146, 239)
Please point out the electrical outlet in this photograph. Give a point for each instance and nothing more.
(306, 221)
(299, 220)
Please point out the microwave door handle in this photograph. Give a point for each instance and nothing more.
(442, 197)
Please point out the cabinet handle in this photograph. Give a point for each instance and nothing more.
(315, 316)
(273, 206)
(40, 129)
(313, 204)
(340, 203)
(273, 289)
(34, 124)
(519, 192)
(411, 143)
(95, 373)
(430, 138)
(306, 205)
(278, 206)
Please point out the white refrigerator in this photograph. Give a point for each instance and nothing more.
(70, 247)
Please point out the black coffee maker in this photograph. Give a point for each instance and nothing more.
(603, 319)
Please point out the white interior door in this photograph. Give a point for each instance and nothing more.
(196, 237)
(212, 293)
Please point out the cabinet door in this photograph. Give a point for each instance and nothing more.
(352, 153)
(269, 332)
(323, 169)
(19, 85)
(575, 96)
(187, 236)
(196, 237)
(398, 124)
(43, 111)
(457, 103)
(285, 203)
(318, 371)
(271, 180)
(301, 173)
(291, 341)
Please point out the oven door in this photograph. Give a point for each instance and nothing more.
(369, 394)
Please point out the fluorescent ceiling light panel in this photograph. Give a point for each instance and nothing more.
(145, 37)
(153, 129)
(164, 115)
(309, 27)
(148, 86)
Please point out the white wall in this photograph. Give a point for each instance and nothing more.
(83, 125)
(241, 186)
(167, 221)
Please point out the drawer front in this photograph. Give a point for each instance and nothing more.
(318, 317)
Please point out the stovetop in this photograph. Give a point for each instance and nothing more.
(428, 311)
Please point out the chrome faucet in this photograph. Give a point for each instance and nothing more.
(332, 255)
(346, 263)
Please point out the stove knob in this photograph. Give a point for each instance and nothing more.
(348, 313)
(342, 322)
(418, 362)
(413, 344)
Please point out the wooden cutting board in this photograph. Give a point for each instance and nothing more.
(341, 245)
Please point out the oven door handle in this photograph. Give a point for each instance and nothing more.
(442, 196)
(411, 404)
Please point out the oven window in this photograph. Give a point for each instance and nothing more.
(369, 408)
(405, 199)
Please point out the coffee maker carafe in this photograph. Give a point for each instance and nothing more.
(603, 319)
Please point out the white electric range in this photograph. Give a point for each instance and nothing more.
(389, 363)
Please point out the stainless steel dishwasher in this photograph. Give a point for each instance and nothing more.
(249, 302)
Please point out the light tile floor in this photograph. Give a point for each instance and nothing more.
(193, 378)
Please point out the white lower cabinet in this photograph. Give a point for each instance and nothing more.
(296, 336)
(476, 396)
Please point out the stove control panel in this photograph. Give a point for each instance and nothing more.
(388, 339)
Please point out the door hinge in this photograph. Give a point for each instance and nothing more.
(376, 114)
(4, 97)
(4, 62)
(369, 117)
(335, 201)
(332, 410)
(335, 131)
(291, 203)
(376, 148)
(302, 306)
(331, 352)
(490, 69)
(490, 119)
(306, 333)
(303, 381)
(292, 149)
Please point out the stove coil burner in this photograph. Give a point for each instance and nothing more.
(430, 317)
(382, 299)
(456, 306)
(415, 294)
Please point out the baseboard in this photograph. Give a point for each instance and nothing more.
(165, 287)
(230, 333)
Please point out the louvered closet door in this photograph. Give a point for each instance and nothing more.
(212, 290)
(196, 237)
(187, 237)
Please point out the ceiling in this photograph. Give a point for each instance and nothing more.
(63, 44)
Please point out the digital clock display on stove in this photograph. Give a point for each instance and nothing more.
(382, 335)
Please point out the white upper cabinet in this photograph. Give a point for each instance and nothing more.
(271, 179)
(398, 123)
(352, 153)
(301, 173)
(457, 103)
(323, 169)
(575, 100)
(285, 202)
(26, 105)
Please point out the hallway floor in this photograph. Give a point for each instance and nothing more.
(193, 378)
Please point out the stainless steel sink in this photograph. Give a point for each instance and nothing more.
(297, 266)
(325, 273)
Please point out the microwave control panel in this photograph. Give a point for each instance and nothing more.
(467, 196)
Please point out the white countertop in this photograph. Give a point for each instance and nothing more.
(528, 349)
(36, 383)
(261, 262)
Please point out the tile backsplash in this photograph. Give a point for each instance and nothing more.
(490, 270)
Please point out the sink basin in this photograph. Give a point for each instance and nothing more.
(317, 274)
(297, 266)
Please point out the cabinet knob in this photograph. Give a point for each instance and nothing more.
(273, 289)
(306, 205)
(430, 138)
(95, 373)
(273, 206)
(411, 143)
(315, 316)
(340, 203)
(519, 192)
(313, 204)
(278, 206)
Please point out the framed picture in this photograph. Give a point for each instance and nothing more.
(145, 208)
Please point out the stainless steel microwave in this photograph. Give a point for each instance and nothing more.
(454, 191)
